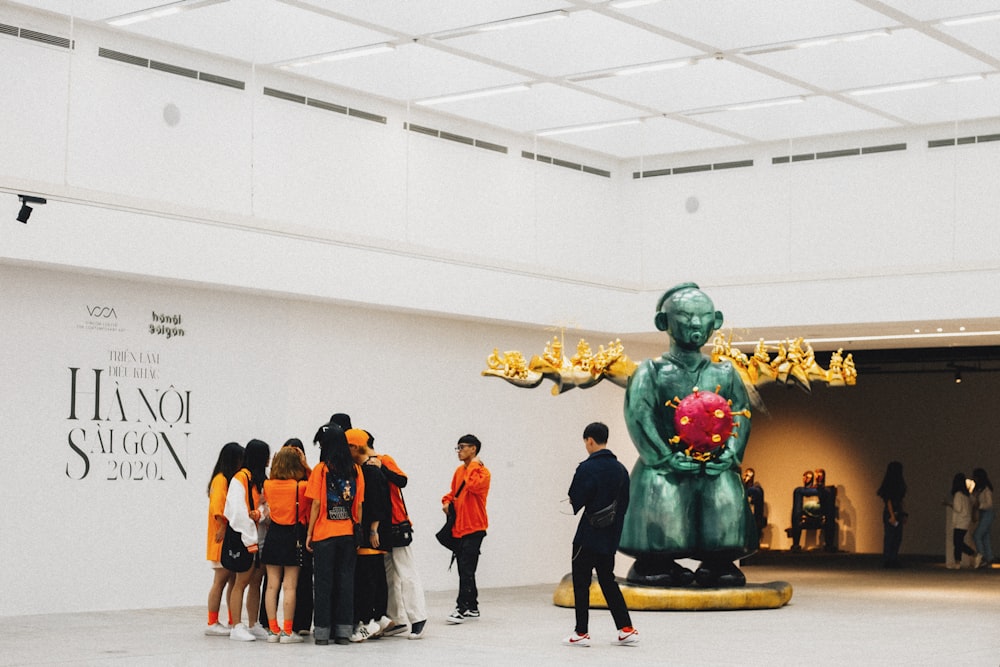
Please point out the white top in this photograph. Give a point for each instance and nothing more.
(961, 511)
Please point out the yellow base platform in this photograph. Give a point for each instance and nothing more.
(644, 598)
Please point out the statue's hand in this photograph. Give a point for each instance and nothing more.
(726, 461)
(681, 462)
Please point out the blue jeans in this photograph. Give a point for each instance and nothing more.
(333, 581)
(981, 536)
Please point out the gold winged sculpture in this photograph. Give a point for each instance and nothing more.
(794, 363)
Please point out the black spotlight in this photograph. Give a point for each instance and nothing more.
(25, 212)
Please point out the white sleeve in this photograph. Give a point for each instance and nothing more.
(237, 512)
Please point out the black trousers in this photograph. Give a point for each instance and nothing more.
(585, 562)
(467, 558)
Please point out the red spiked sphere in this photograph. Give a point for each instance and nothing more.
(703, 421)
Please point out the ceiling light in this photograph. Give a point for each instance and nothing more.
(965, 79)
(587, 128)
(628, 4)
(849, 37)
(522, 21)
(889, 337)
(767, 103)
(977, 18)
(489, 92)
(896, 87)
(345, 54)
(958, 377)
(159, 11)
(655, 67)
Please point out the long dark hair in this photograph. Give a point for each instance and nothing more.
(258, 453)
(229, 462)
(893, 485)
(959, 485)
(981, 479)
(334, 451)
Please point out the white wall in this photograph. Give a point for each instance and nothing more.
(76, 536)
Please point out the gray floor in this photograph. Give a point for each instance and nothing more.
(845, 610)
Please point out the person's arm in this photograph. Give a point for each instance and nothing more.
(581, 490)
(892, 512)
(237, 511)
(313, 515)
(477, 478)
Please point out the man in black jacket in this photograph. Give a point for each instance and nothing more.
(600, 487)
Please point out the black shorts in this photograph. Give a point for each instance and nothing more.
(279, 546)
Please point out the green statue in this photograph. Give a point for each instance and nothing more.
(686, 503)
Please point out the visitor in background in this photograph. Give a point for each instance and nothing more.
(984, 504)
(892, 491)
(961, 519)
(229, 462)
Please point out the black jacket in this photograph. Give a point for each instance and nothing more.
(598, 481)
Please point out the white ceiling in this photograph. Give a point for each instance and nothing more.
(736, 53)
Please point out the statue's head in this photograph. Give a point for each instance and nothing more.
(688, 316)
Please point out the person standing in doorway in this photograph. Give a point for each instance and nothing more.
(892, 491)
(600, 488)
(469, 487)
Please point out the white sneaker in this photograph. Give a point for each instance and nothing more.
(361, 632)
(978, 562)
(577, 640)
(455, 617)
(258, 632)
(627, 637)
(218, 630)
(396, 629)
(290, 639)
(383, 624)
(241, 633)
(417, 630)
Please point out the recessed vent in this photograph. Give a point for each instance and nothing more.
(567, 164)
(844, 152)
(186, 72)
(457, 138)
(320, 104)
(692, 169)
(959, 141)
(35, 36)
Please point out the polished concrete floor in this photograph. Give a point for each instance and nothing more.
(845, 610)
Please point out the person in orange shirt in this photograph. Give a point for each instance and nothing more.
(230, 460)
(284, 494)
(469, 487)
(336, 488)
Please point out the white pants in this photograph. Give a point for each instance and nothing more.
(406, 592)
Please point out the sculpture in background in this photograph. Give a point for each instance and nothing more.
(584, 369)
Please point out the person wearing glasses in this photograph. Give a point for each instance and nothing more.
(469, 487)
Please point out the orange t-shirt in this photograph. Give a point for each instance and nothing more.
(395, 493)
(279, 494)
(216, 507)
(316, 492)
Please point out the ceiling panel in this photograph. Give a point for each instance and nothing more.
(905, 55)
(411, 72)
(814, 116)
(545, 106)
(709, 83)
(731, 24)
(943, 102)
(260, 31)
(929, 10)
(983, 36)
(653, 136)
(583, 42)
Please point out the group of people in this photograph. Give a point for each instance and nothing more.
(333, 540)
(971, 506)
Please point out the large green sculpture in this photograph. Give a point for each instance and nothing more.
(686, 502)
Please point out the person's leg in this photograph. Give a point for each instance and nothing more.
(289, 584)
(304, 597)
(582, 569)
(394, 607)
(236, 596)
(981, 535)
(271, 596)
(380, 590)
(220, 578)
(468, 562)
(343, 603)
(253, 592)
(414, 603)
(957, 543)
(323, 574)
(605, 566)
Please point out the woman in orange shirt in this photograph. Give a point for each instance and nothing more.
(230, 460)
(288, 506)
(336, 488)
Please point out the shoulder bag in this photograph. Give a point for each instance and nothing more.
(236, 557)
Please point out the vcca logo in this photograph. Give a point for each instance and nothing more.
(102, 311)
